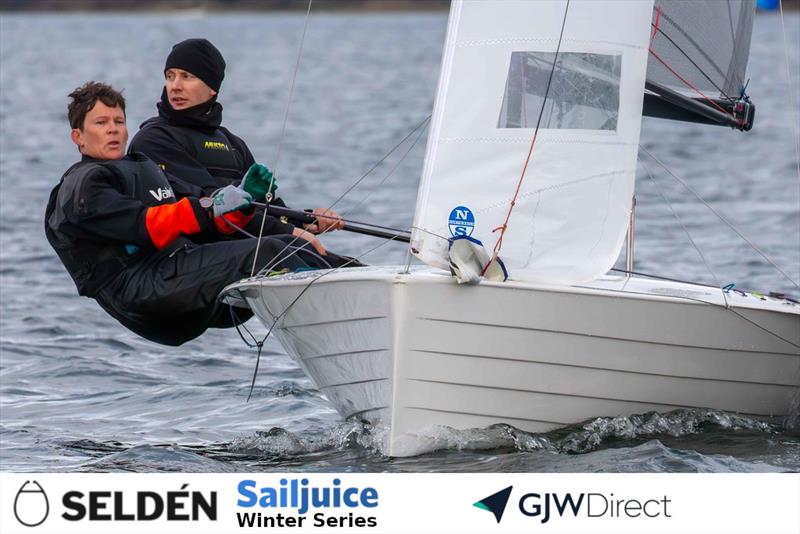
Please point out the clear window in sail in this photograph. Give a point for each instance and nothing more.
(584, 93)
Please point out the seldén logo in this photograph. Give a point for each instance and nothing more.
(112, 506)
(31, 506)
(495, 503)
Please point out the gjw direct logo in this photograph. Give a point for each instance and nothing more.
(495, 503)
(549, 505)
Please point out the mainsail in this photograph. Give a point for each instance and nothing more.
(572, 209)
(706, 43)
(698, 59)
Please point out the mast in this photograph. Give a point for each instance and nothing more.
(629, 240)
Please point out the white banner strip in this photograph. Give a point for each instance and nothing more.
(381, 503)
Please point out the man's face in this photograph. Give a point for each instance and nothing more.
(104, 133)
(186, 90)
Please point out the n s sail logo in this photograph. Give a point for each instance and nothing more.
(461, 221)
(31, 506)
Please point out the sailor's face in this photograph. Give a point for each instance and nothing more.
(104, 134)
(186, 90)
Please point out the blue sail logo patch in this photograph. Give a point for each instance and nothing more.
(461, 221)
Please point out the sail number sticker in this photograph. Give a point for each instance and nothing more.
(461, 221)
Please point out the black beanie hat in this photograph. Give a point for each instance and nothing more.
(199, 57)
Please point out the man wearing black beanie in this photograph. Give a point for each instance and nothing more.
(188, 141)
(199, 57)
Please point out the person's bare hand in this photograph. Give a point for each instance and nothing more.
(311, 238)
(327, 220)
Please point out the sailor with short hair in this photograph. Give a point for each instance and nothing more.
(154, 262)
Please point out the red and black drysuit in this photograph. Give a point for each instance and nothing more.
(193, 147)
(128, 243)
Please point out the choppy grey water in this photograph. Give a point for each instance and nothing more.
(80, 393)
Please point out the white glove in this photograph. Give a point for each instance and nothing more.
(230, 198)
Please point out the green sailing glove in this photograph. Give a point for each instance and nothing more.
(259, 182)
(230, 198)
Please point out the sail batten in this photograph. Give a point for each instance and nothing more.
(571, 213)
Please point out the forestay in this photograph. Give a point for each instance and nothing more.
(571, 213)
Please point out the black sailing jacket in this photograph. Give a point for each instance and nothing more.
(105, 216)
(129, 244)
(192, 145)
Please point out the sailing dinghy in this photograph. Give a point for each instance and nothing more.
(534, 140)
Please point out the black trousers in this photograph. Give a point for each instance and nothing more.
(171, 297)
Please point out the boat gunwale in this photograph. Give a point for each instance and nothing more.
(395, 275)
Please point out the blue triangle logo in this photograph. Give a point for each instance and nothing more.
(495, 503)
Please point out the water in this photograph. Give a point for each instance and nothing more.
(80, 393)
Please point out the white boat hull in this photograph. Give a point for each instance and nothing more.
(415, 351)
